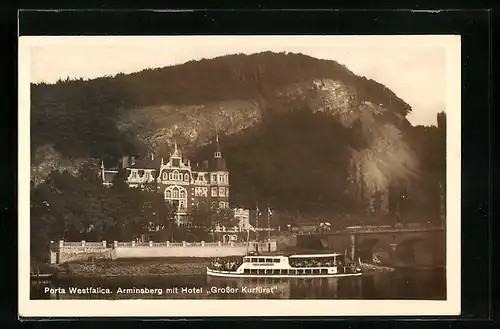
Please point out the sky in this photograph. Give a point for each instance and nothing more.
(414, 67)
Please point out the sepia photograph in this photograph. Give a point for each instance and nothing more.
(246, 175)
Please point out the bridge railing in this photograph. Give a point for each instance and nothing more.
(373, 229)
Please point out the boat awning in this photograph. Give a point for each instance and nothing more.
(315, 255)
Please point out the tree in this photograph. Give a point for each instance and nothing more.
(201, 218)
(208, 217)
(157, 211)
(201, 215)
(224, 217)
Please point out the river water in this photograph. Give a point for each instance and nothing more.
(401, 284)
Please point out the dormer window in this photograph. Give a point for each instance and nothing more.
(175, 175)
(186, 177)
(217, 154)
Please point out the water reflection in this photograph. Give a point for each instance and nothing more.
(396, 285)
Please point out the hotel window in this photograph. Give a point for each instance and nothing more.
(175, 175)
(214, 178)
(168, 195)
(186, 177)
(175, 194)
(170, 176)
(133, 175)
(222, 191)
(183, 194)
(214, 191)
(205, 191)
(222, 204)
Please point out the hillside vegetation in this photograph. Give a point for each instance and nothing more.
(81, 113)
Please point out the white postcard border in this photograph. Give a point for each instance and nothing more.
(209, 308)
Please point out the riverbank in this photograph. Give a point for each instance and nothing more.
(366, 268)
(132, 267)
(152, 267)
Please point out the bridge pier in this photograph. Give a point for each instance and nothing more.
(353, 246)
(392, 253)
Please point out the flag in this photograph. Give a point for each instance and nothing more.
(251, 228)
(269, 211)
(258, 211)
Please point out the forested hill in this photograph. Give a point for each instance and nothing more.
(306, 133)
(73, 114)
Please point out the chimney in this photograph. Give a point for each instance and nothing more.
(124, 161)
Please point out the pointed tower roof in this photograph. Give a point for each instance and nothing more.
(218, 163)
(176, 153)
(218, 149)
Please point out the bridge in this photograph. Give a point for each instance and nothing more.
(397, 246)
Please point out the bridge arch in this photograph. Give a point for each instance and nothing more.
(414, 251)
(369, 247)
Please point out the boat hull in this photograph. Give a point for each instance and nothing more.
(232, 274)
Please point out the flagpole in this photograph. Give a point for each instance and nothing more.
(248, 237)
(257, 223)
(268, 222)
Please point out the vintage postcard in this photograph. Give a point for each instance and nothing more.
(239, 176)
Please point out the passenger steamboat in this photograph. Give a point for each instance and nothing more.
(283, 266)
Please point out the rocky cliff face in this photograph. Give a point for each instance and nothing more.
(189, 125)
(47, 160)
(386, 159)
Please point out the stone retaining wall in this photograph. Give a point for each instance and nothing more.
(69, 251)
